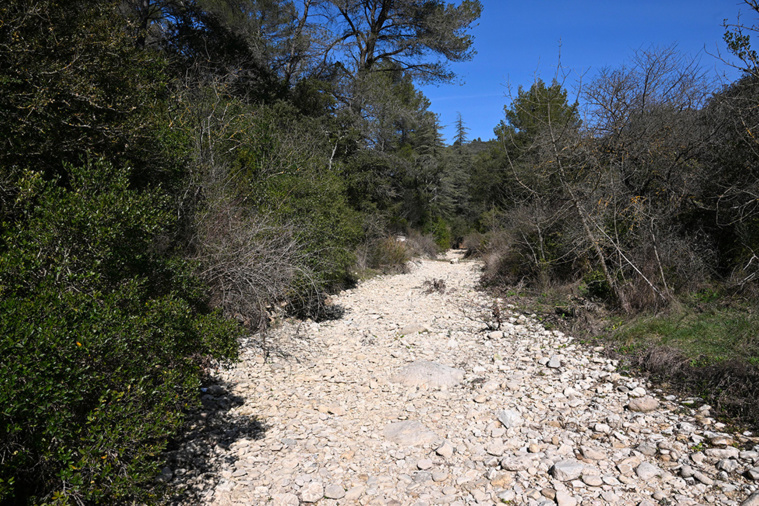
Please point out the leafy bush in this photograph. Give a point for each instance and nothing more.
(441, 232)
(101, 334)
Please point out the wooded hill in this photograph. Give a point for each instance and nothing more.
(171, 172)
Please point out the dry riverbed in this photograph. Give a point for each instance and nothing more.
(410, 399)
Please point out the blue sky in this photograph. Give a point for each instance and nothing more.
(519, 40)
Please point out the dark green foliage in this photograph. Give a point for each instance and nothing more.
(72, 81)
(102, 337)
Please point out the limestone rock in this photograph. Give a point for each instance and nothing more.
(567, 470)
(409, 433)
(752, 500)
(334, 491)
(646, 471)
(644, 404)
(312, 492)
(428, 373)
(509, 418)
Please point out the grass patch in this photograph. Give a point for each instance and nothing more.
(704, 337)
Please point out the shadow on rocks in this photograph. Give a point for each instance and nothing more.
(198, 455)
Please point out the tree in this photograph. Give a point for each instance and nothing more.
(461, 130)
(737, 36)
(405, 33)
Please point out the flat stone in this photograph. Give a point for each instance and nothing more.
(354, 493)
(567, 470)
(438, 476)
(334, 491)
(516, 463)
(628, 465)
(592, 453)
(413, 328)
(644, 404)
(592, 480)
(424, 464)
(646, 471)
(312, 492)
(445, 450)
(428, 373)
(563, 498)
(554, 362)
(510, 418)
(722, 453)
(703, 478)
(285, 500)
(752, 500)
(409, 433)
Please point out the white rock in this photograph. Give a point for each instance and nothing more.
(567, 470)
(334, 491)
(563, 498)
(646, 471)
(312, 492)
(510, 418)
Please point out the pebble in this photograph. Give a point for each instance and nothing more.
(405, 401)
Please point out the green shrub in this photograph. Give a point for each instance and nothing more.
(594, 285)
(441, 232)
(101, 335)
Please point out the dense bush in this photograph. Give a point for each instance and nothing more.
(101, 334)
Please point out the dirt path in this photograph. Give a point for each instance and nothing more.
(530, 418)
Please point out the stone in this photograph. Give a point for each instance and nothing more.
(166, 475)
(592, 453)
(722, 453)
(728, 465)
(644, 404)
(516, 463)
(285, 500)
(334, 491)
(554, 362)
(445, 450)
(428, 373)
(424, 464)
(332, 419)
(628, 465)
(413, 328)
(567, 470)
(563, 498)
(510, 418)
(637, 392)
(602, 427)
(354, 493)
(592, 480)
(646, 471)
(409, 433)
(438, 476)
(752, 500)
(703, 478)
(312, 492)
